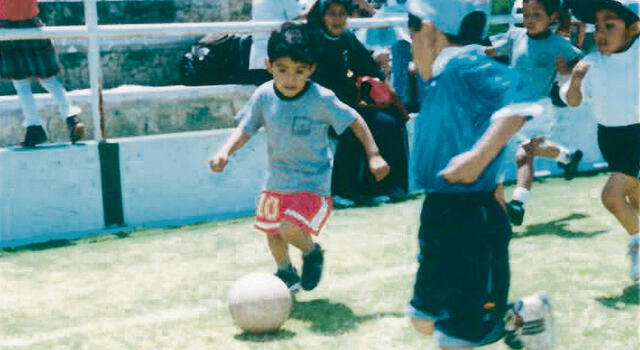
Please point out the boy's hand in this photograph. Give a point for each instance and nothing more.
(580, 70)
(218, 162)
(464, 168)
(490, 51)
(378, 167)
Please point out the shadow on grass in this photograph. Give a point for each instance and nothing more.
(558, 227)
(629, 296)
(267, 337)
(331, 318)
(60, 243)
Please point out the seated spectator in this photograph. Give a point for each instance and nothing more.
(343, 59)
(268, 10)
(23, 60)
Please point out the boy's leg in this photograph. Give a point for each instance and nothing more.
(620, 197)
(286, 272)
(312, 254)
(566, 159)
(614, 197)
(524, 164)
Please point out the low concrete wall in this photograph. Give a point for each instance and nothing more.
(166, 179)
(49, 193)
(54, 192)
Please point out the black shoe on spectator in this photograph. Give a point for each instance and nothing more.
(312, 264)
(571, 168)
(77, 129)
(35, 135)
(515, 210)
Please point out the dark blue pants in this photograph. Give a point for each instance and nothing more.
(463, 278)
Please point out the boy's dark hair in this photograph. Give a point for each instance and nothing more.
(291, 40)
(550, 6)
(471, 29)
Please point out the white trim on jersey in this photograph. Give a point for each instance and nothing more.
(267, 225)
(317, 220)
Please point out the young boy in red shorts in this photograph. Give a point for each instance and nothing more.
(296, 114)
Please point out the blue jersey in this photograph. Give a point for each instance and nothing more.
(468, 90)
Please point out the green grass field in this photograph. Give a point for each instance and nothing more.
(167, 289)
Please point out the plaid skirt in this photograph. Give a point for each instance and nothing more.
(21, 59)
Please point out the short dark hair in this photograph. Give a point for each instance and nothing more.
(550, 6)
(471, 29)
(291, 40)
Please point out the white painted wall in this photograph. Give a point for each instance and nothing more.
(166, 179)
(53, 192)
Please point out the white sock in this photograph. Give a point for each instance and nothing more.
(285, 266)
(564, 157)
(520, 194)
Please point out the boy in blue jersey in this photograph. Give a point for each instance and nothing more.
(296, 114)
(472, 106)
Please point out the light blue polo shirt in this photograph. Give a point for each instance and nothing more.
(468, 90)
(300, 158)
(535, 56)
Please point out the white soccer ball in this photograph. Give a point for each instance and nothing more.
(259, 303)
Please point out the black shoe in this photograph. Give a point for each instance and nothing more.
(290, 278)
(35, 135)
(312, 264)
(77, 129)
(571, 168)
(515, 210)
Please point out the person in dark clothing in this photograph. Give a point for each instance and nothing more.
(342, 59)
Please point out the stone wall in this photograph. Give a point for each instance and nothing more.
(154, 62)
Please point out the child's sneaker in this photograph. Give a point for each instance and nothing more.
(515, 210)
(312, 264)
(571, 168)
(634, 255)
(77, 129)
(290, 278)
(35, 135)
(529, 323)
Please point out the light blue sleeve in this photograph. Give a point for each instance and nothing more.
(336, 113)
(569, 52)
(251, 116)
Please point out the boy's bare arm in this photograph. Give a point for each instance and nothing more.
(219, 160)
(467, 167)
(378, 166)
(574, 93)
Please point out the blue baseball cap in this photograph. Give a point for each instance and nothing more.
(448, 15)
(585, 10)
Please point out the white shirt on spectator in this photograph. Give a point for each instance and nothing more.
(269, 10)
(612, 87)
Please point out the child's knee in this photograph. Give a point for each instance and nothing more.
(423, 326)
(289, 230)
(611, 198)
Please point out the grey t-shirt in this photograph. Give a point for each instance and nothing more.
(535, 59)
(297, 135)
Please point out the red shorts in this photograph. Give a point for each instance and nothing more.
(308, 210)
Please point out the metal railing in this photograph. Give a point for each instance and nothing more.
(94, 33)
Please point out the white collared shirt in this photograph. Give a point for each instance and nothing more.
(612, 87)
